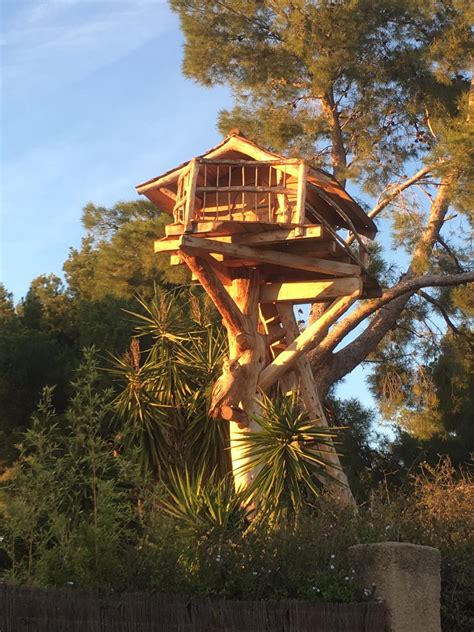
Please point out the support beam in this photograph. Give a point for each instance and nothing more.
(309, 291)
(200, 245)
(245, 292)
(310, 337)
(190, 195)
(310, 397)
(245, 231)
(279, 235)
(223, 273)
(301, 197)
(235, 321)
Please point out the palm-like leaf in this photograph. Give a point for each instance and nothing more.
(163, 400)
(289, 453)
(204, 507)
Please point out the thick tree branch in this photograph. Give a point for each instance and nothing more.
(338, 151)
(330, 367)
(405, 287)
(395, 191)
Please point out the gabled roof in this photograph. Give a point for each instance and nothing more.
(324, 191)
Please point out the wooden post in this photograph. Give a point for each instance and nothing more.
(190, 196)
(301, 197)
(245, 292)
(309, 395)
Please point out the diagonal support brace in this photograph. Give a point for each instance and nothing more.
(310, 337)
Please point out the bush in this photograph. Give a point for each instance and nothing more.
(436, 511)
(77, 510)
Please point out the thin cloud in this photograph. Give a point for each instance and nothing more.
(64, 39)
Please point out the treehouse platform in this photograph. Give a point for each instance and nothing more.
(242, 206)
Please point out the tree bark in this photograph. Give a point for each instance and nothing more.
(330, 367)
(338, 151)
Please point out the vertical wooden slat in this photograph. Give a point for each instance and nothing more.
(204, 201)
(228, 193)
(256, 194)
(191, 195)
(301, 197)
(217, 190)
(243, 193)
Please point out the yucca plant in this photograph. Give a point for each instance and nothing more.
(165, 380)
(289, 454)
(203, 506)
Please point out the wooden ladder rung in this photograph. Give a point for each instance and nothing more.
(272, 320)
(278, 346)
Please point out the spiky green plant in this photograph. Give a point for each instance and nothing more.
(289, 453)
(165, 385)
(205, 507)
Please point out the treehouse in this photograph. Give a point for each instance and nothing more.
(244, 206)
(262, 233)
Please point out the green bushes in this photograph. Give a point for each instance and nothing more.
(79, 509)
(436, 510)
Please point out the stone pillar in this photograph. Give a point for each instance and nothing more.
(407, 578)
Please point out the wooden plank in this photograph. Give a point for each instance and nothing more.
(310, 337)
(301, 196)
(250, 163)
(308, 247)
(309, 291)
(259, 232)
(245, 189)
(279, 235)
(166, 245)
(175, 260)
(238, 251)
(190, 195)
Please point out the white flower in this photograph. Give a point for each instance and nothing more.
(387, 527)
(332, 567)
(71, 583)
(333, 556)
(218, 558)
(254, 573)
(346, 578)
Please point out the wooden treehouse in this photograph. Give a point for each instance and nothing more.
(263, 233)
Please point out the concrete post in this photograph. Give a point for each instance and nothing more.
(407, 578)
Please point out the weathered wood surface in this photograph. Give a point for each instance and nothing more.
(338, 481)
(283, 259)
(310, 337)
(245, 292)
(24, 609)
(240, 230)
(309, 291)
(234, 320)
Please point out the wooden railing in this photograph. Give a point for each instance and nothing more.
(246, 190)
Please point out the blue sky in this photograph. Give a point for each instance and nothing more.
(93, 102)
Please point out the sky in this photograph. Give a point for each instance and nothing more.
(93, 102)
